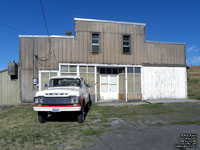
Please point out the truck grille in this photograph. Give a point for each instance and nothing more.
(56, 101)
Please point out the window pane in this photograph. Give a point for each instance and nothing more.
(126, 49)
(72, 69)
(95, 41)
(102, 70)
(95, 48)
(137, 70)
(108, 70)
(64, 68)
(115, 70)
(130, 69)
(125, 43)
(126, 37)
(95, 38)
(82, 69)
(121, 70)
(90, 69)
(95, 35)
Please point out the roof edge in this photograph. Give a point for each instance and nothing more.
(108, 21)
(51, 36)
(161, 42)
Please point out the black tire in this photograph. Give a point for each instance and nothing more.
(42, 117)
(90, 103)
(81, 118)
(81, 115)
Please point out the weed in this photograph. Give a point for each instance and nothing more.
(93, 132)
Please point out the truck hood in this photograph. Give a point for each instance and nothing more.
(59, 92)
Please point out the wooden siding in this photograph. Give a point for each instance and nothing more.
(164, 83)
(164, 54)
(78, 50)
(9, 90)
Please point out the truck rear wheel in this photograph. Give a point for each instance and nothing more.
(42, 116)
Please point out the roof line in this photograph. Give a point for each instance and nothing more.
(161, 42)
(109, 21)
(58, 36)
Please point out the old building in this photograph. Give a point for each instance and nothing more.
(113, 57)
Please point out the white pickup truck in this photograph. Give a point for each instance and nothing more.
(64, 94)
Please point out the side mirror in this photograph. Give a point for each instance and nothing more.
(87, 84)
(45, 85)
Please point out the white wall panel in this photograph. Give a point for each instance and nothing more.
(164, 82)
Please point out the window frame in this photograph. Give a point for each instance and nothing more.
(125, 45)
(95, 44)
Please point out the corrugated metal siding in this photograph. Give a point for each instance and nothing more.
(164, 82)
(9, 90)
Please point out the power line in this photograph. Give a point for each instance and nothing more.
(13, 28)
(44, 17)
(49, 56)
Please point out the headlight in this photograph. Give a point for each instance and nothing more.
(38, 100)
(74, 99)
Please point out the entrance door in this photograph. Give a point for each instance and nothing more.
(109, 87)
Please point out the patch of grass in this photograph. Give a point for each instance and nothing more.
(186, 122)
(193, 82)
(154, 106)
(104, 119)
(20, 127)
(93, 132)
(107, 125)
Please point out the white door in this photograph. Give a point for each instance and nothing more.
(109, 87)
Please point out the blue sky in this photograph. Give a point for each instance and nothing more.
(166, 20)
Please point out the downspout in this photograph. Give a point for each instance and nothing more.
(35, 81)
(126, 87)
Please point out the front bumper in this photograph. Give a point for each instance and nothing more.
(57, 109)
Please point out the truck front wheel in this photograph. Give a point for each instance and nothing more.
(81, 116)
(42, 116)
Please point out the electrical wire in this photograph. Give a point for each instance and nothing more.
(51, 52)
(13, 28)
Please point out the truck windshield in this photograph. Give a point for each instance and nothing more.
(64, 82)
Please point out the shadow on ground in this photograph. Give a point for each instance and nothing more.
(65, 116)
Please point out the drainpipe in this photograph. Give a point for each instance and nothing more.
(35, 73)
(35, 82)
(95, 83)
(126, 88)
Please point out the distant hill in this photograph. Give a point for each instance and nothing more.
(193, 82)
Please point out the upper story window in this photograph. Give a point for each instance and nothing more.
(126, 44)
(95, 42)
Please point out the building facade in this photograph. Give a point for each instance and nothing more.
(113, 57)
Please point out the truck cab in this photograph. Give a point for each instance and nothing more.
(64, 94)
